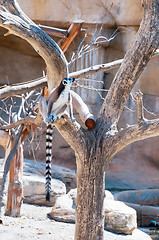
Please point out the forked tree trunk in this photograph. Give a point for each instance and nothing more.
(90, 195)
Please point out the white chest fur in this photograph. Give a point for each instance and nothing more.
(62, 100)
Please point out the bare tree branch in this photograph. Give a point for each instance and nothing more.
(54, 31)
(13, 7)
(145, 129)
(135, 60)
(26, 120)
(74, 134)
(15, 89)
(20, 88)
(96, 69)
(17, 23)
(83, 111)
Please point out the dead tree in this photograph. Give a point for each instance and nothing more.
(94, 149)
(12, 140)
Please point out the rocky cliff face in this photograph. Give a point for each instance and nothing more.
(125, 12)
(119, 21)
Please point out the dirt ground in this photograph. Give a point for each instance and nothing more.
(34, 224)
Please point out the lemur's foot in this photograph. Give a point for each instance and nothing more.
(76, 125)
(51, 118)
(73, 120)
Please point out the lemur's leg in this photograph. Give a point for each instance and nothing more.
(51, 118)
(61, 111)
(70, 109)
(43, 106)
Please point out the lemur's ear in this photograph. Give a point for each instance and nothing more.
(43, 107)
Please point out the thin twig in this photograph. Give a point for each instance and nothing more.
(94, 89)
(28, 120)
(89, 79)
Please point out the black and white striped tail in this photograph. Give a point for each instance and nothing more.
(48, 160)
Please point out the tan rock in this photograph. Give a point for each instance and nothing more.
(145, 202)
(142, 197)
(64, 208)
(119, 217)
(34, 190)
(145, 214)
(66, 175)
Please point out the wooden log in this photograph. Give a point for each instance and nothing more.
(73, 31)
(54, 31)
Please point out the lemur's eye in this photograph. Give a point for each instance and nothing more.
(64, 81)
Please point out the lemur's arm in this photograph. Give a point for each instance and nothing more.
(58, 102)
(43, 107)
(70, 108)
(52, 98)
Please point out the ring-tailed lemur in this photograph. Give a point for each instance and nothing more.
(57, 104)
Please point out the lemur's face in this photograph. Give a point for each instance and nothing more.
(67, 81)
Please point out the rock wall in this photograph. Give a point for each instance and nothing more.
(119, 21)
(125, 12)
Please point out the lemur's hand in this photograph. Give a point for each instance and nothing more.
(51, 118)
(73, 119)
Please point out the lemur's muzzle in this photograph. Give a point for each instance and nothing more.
(70, 79)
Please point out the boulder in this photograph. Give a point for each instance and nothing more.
(136, 235)
(64, 208)
(143, 197)
(109, 195)
(146, 215)
(64, 174)
(119, 217)
(145, 202)
(34, 190)
(34, 182)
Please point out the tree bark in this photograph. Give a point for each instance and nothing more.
(15, 188)
(91, 188)
(135, 60)
(12, 153)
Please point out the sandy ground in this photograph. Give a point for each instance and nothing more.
(34, 224)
